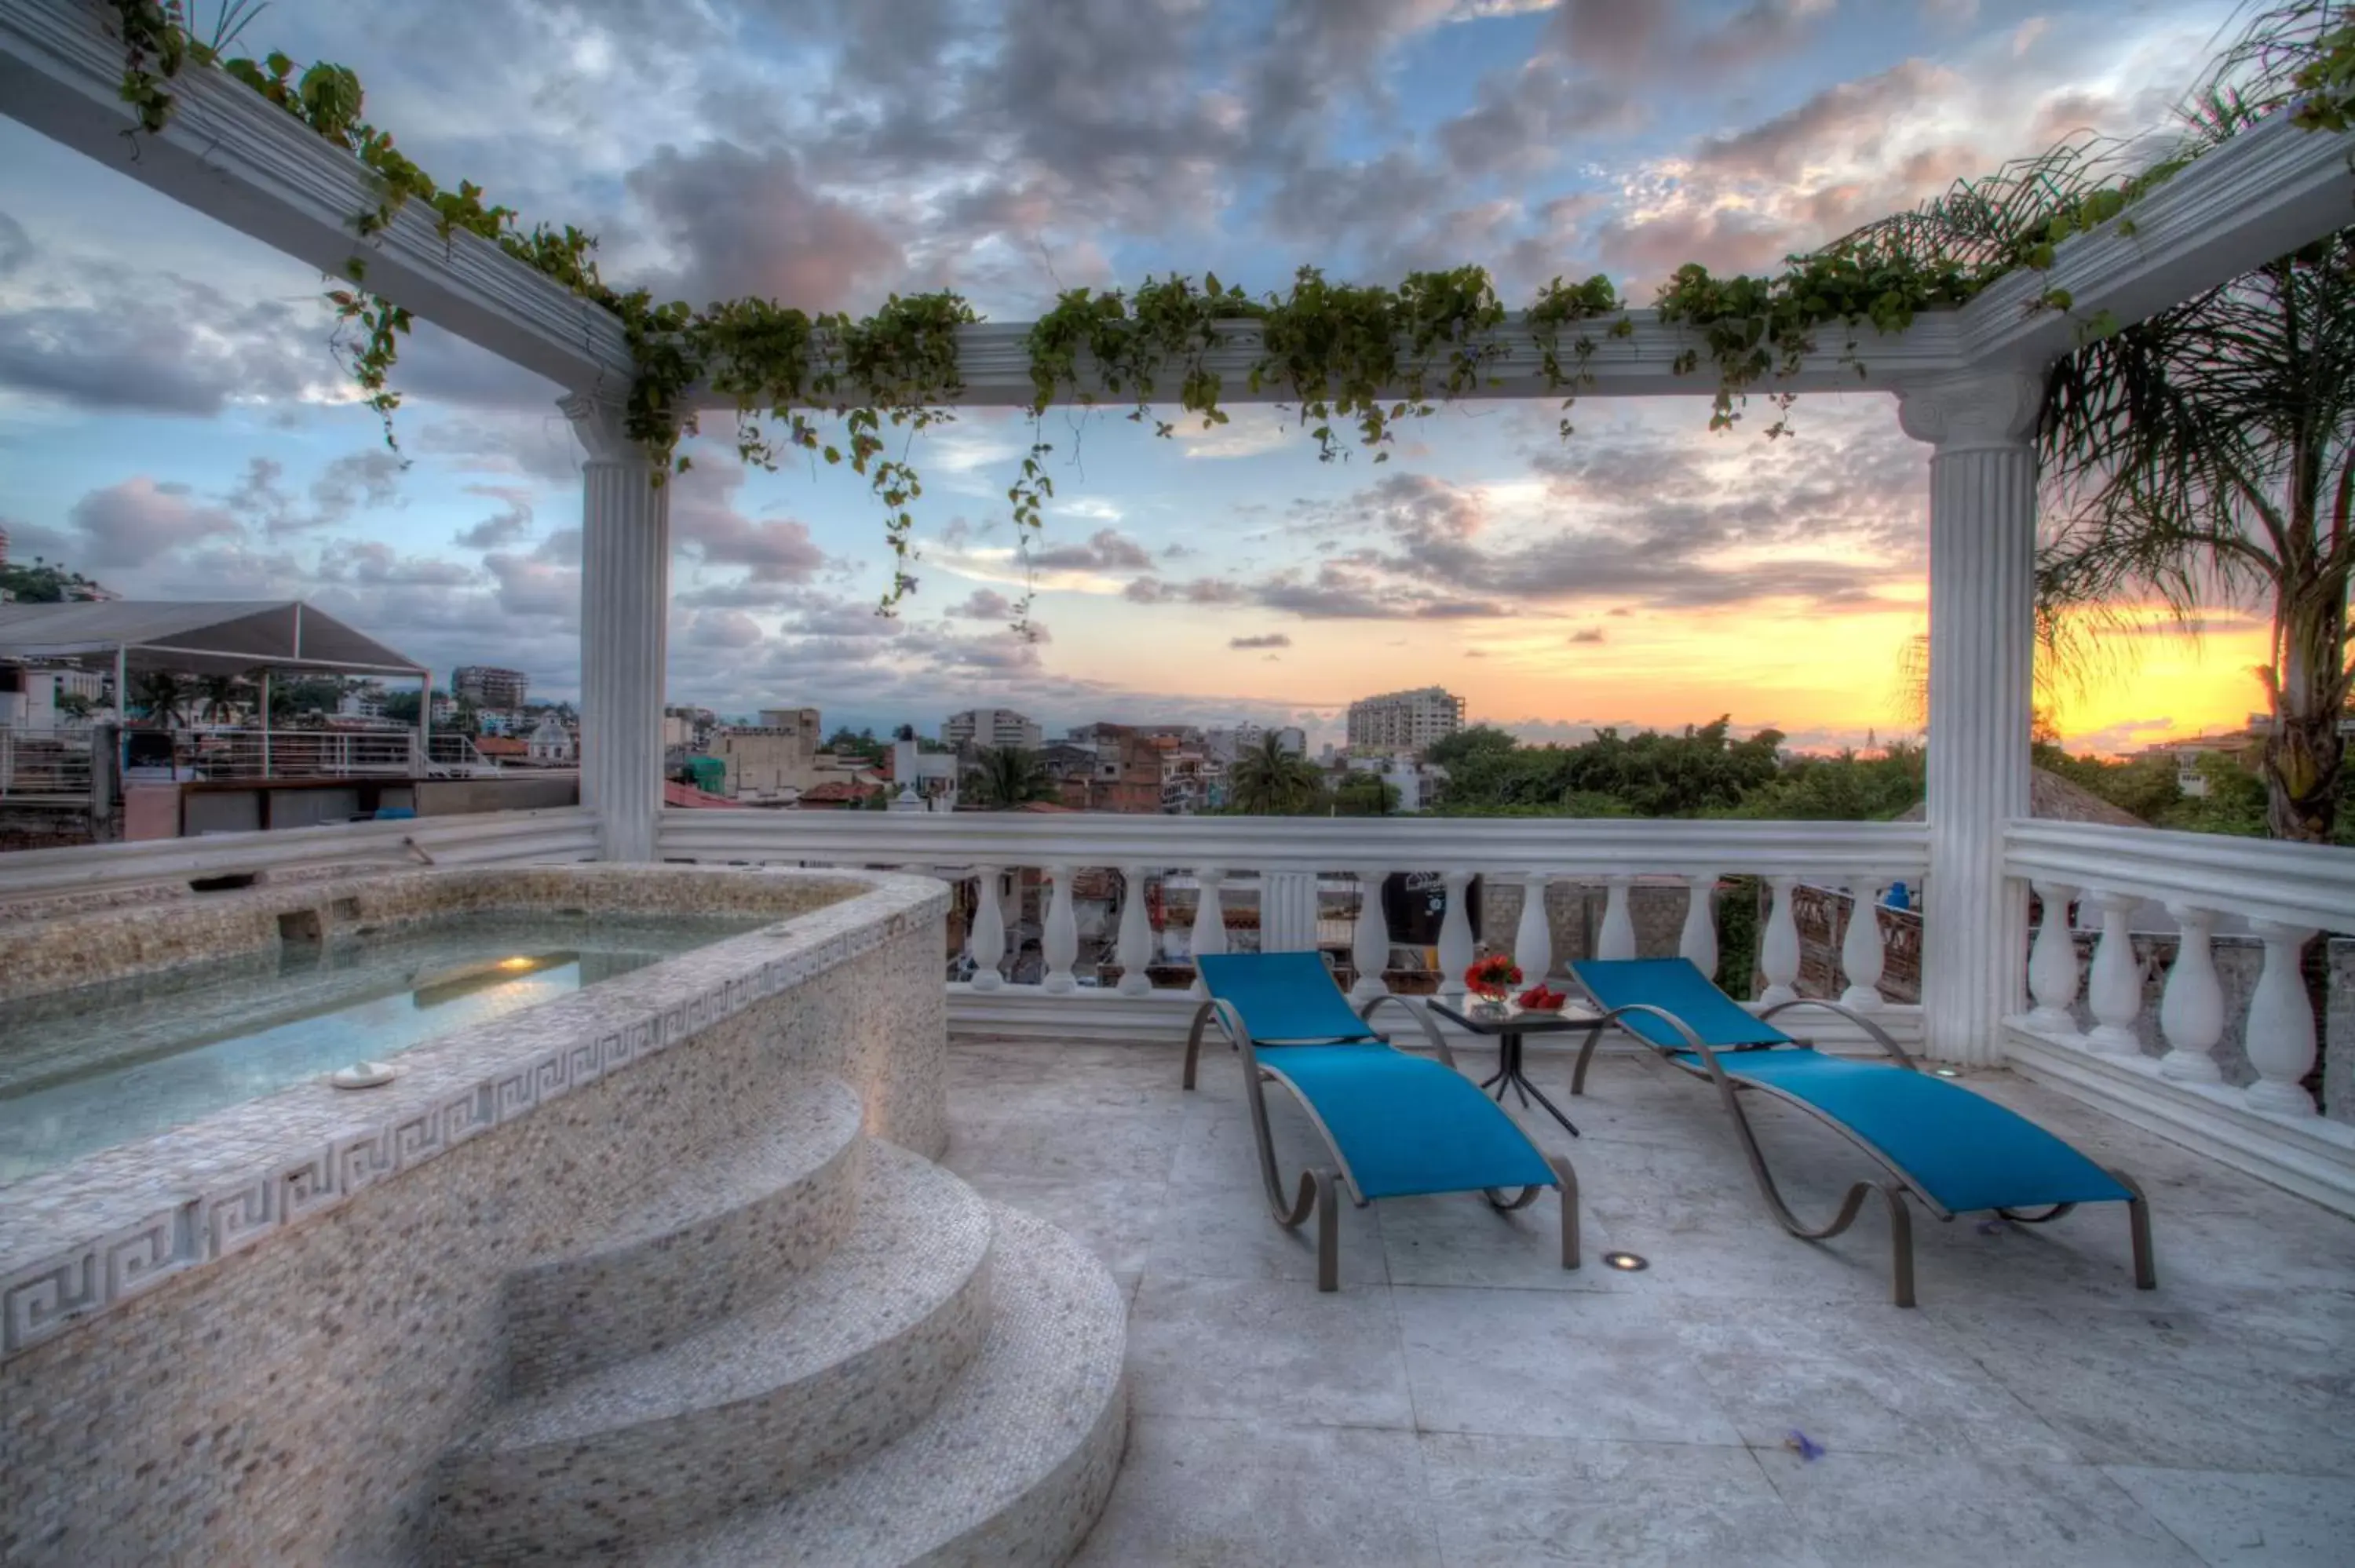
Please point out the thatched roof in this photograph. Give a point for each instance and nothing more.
(2053, 799)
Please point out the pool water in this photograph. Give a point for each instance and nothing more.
(87, 1069)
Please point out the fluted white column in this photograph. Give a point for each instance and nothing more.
(1778, 947)
(988, 930)
(624, 627)
(1698, 941)
(1059, 935)
(2052, 965)
(1533, 938)
(1287, 911)
(2191, 1007)
(1133, 949)
(2114, 986)
(1369, 946)
(1617, 940)
(2281, 1023)
(1982, 636)
(1862, 955)
(1210, 920)
(1456, 945)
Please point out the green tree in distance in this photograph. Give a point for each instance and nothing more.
(1268, 780)
(1004, 778)
(162, 695)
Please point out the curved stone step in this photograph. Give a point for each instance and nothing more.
(841, 1360)
(1011, 1468)
(724, 1229)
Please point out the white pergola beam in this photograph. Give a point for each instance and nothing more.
(996, 365)
(2260, 194)
(232, 155)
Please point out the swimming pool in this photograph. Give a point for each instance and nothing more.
(99, 1066)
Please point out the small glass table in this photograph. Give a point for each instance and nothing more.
(1510, 1026)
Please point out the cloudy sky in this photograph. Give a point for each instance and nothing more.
(172, 420)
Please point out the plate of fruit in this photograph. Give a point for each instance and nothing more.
(1538, 998)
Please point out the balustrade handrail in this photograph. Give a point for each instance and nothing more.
(2307, 886)
(1562, 847)
(88, 867)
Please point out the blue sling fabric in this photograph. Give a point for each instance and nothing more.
(1673, 985)
(1285, 999)
(1959, 1149)
(1407, 1124)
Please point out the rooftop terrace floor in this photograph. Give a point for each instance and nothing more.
(1462, 1399)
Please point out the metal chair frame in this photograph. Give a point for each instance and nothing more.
(1893, 1192)
(1320, 1188)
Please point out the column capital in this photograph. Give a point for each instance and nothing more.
(600, 423)
(1973, 412)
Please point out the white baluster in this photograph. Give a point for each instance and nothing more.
(1861, 954)
(1210, 920)
(2281, 1023)
(1135, 947)
(1369, 948)
(1617, 940)
(1778, 953)
(1059, 935)
(2052, 965)
(1287, 911)
(1698, 941)
(988, 930)
(1533, 938)
(2191, 1007)
(1456, 947)
(2113, 988)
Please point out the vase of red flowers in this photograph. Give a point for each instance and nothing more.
(1491, 979)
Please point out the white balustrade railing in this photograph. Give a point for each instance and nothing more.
(1227, 864)
(2283, 895)
(558, 834)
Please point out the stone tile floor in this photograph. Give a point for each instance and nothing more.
(1464, 1401)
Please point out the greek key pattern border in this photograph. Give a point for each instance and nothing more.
(46, 1298)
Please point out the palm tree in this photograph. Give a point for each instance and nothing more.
(2208, 455)
(164, 696)
(1270, 781)
(2204, 456)
(1004, 778)
(219, 697)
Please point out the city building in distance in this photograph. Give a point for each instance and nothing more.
(998, 728)
(773, 759)
(489, 687)
(1404, 721)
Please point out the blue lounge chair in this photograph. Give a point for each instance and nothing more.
(1395, 1125)
(1953, 1151)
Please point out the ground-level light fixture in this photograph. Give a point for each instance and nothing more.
(1627, 1261)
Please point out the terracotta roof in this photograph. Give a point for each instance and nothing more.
(837, 789)
(678, 794)
(2053, 799)
(501, 745)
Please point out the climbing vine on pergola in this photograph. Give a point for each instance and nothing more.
(1353, 359)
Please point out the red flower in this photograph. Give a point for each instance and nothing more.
(1492, 976)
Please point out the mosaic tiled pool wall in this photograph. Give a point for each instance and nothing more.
(110, 943)
(268, 1369)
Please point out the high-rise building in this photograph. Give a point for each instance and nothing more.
(998, 728)
(489, 687)
(1404, 721)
